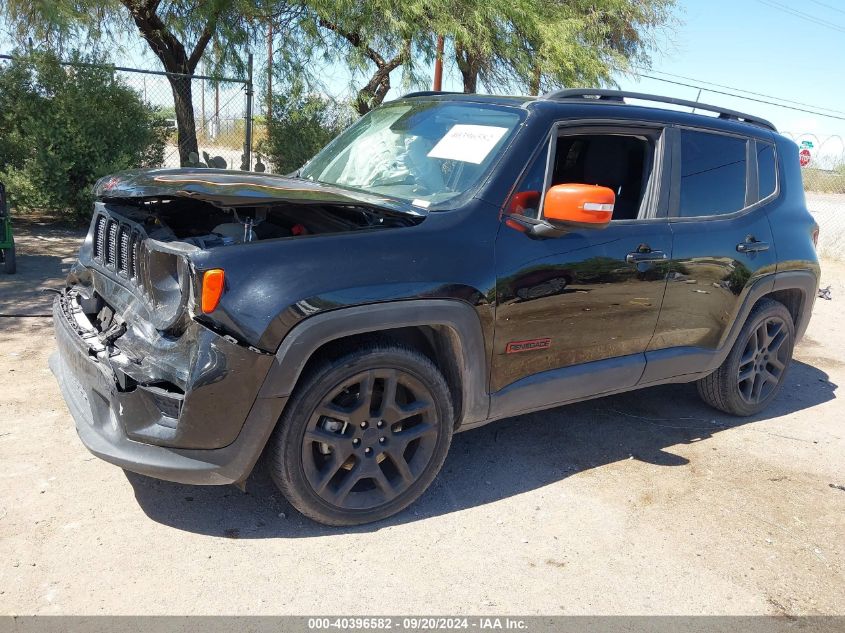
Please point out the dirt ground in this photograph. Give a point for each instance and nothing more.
(642, 503)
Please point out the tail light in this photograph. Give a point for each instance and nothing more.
(212, 289)
(816, 237)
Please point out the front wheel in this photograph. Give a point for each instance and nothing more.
(754, 371)
(363, 436)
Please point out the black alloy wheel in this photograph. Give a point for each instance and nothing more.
(364, 436)
(763, 361)
(370, 439)
(754, 370)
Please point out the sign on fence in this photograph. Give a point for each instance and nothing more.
(804, 156)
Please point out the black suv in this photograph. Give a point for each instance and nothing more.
(447, 261)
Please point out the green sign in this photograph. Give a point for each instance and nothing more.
(807, 144)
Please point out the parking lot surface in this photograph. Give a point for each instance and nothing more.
(648, 502)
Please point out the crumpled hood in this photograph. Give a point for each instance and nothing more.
(229, 188)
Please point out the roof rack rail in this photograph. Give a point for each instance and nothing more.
(430, 93)
(619, 96)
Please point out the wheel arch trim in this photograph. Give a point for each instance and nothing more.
(308, 336)
(808, 284)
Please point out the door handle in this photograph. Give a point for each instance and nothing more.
(647, 256)
(751, 245)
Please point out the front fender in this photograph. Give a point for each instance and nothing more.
(471, 356)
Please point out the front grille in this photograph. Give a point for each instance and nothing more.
(111, 246)
(100, 237)
(117, 245)
(123, 242)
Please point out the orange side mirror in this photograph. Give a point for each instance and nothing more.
(586, 206)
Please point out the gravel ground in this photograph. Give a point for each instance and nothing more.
(641, 503)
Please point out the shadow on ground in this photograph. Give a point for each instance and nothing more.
(494, 462)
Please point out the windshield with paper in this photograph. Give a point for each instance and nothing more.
(424, 152)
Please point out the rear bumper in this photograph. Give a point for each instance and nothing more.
(99, 409)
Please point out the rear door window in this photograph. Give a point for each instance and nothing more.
(713, 174)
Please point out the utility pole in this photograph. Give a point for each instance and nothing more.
(696, 99)
(247, 161)
(202, 101)
(216, 109)
(269, 111)
(438, 65)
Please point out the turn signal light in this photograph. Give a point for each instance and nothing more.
(212, 289)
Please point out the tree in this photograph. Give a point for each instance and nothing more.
(54, 145)
(372, 38)
(301, 125)
(376, 89)
(530, 45)
(178, 32)
(500, 45)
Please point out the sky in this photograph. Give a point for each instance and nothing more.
(754, 46)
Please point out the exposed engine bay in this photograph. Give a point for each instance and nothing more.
(206, 226)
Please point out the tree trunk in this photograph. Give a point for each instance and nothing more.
(175, 59)
(470, 77)
(371, 95)
(468, 64)
(185, 124)
(536, 77)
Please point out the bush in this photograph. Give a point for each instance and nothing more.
(301, 125)
(63, 127)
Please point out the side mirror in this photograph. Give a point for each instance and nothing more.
(579, 206)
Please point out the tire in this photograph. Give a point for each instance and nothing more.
(10, 265)
(363, 435)
(754, 371)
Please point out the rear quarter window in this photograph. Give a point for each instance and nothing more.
(713, 174)
(766, 169)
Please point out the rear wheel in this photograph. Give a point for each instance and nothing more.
(9, 262)
(363, 436)
(753, 373)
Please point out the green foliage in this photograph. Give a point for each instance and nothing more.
(179, 32)
(177, 28)
(62, 128)
(529, 46)
(301, 125)
(498, 45)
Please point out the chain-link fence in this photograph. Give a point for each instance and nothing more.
(209, 118)
(823, 169)
(221, 108)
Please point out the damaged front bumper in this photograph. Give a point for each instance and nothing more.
(210, 432)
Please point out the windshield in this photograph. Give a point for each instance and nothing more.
(424, 152)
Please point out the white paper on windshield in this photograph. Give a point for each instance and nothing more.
(468, 143)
